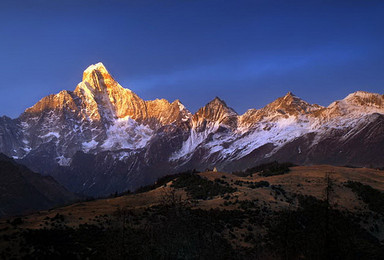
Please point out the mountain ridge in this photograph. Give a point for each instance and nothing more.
(98, 76)
(146, 139)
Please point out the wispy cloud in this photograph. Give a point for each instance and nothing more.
(246, 67)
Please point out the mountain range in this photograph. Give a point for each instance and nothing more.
(102, 138)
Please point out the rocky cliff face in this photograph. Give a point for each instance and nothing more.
(101, 138)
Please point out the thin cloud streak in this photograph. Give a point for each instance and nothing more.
(248, 68)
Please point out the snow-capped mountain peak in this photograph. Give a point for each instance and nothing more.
(95, 72)
(355, 105)
(98, 66)
(290, 104)
(216, 111)
(363, 98)
(133, 138)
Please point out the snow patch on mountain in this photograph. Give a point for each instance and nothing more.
(51, 134)
(63, 161)
(194, 140)
(126, 133)
(277, 133)
(87, 146)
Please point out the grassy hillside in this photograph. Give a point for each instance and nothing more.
(312, 212)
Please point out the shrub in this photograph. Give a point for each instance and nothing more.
(267, 169)
(259, 184)
(200, 188)
(16, 222)
(316, 231)
(163, 180)
(374, 198)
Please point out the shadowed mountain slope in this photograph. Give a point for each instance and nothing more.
(22, 190)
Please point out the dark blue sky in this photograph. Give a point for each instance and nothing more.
(246, 52)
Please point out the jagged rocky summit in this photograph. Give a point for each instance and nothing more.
(102, 138)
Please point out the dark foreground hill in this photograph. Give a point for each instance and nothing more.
(316, 212)
(22, 190)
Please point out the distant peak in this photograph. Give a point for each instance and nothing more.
(289, 94)
(363, 98)
(219, 105)
(99, 67)
(289, 98)
(97, 78)
(178, 102)
(362, 94)
(218, 100)
(291, 104)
